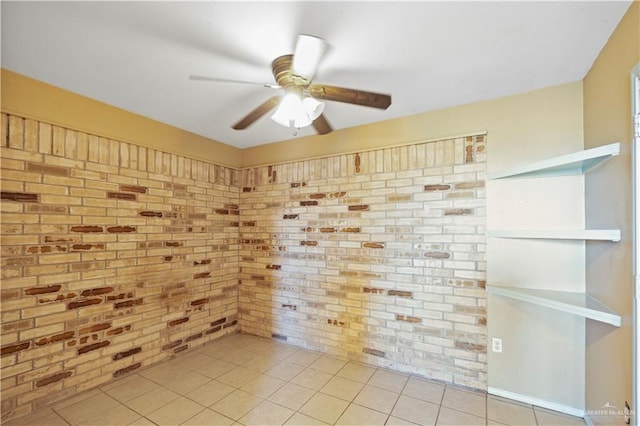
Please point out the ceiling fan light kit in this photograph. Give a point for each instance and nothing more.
(299, 107)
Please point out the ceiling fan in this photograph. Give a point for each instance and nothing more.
(299, 106)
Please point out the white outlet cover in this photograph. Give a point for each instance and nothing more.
(496, 345)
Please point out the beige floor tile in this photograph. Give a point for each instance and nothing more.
(261, 346)
(131, 389)
(312, 379)
(208, 417)
(32, 418)
(342, 388)
(51, 419)
(175, 412)
(267, 414)
(357, 372)
(510, 414)
(285, 370)
(328, 364)
(387, 380)
(187, 382)
(151, 401)
(192, 360)
(238, 377)
(215, 369)
(236, 404)
(238, 356)
(263, 385)
(118, 382)
(415, 410)
(281, 352)
(470, 402)
(86, 408)
(397, 421)
(552, 418)
(75, 399)
(142, 421)
(355, 415)
(377, 398)
(262, 364)
(292, 396)
(303, 357)
(321, 390)
(116, 416)
(210, 393)
(424, 389)
(324, 407)
(450, 417)
(164, 371)
(299, 419)
(216, 348)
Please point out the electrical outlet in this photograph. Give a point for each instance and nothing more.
(496, 345)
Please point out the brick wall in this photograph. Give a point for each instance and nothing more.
(114, 257)
(377, 256)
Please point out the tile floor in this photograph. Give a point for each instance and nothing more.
(247, 380)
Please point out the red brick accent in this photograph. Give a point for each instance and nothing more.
(52, 379)
(150, 214)
(373, 245)
(85, 302)
(400, 293)
(374, 352)
(437, 187)
(42, 290)
(86, 228)
(133, 188)
(126, 370)
(359, 207)
(121, 196)
(95, 327)
(120, 229)
(127, 353)
(6, 350)
(55, 338)
(96, 291)
(178, 321)
(21, 197)
(127, 303)
(93, 347)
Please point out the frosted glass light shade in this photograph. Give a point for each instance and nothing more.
(291, 113)
(312, 107)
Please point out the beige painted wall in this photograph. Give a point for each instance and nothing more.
(607, 118)
(28, 98)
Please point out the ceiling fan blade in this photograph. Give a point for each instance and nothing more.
(350, 96)
(321, 125)
(261, 110)
(226, 80)
(309, 51)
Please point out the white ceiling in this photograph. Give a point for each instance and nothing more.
(427, 55)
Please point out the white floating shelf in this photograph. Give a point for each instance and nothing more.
(580, 304)
(570, 164)
(579, 234)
